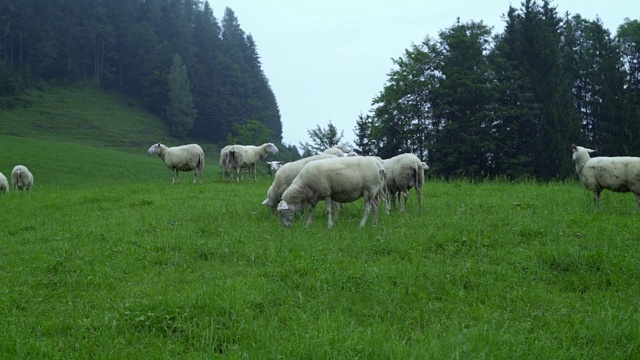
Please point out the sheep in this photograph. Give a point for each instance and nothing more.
(284, 177)
(618, 174)
(21, 178)
(275, 166)
(225, 162)
(342, 180)
(181, 158)
(337, 150)
(4, 184)
(249, 156)
(404, 172)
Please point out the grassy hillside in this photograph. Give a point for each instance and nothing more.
(85, 115)
(81, 134)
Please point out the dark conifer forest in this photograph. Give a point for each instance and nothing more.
(135, 47)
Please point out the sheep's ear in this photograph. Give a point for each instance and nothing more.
(281, 162)
(265, 202)
(589, 150)
(283, 205)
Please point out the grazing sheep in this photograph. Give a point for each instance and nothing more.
(618, 174)
(21, 178)
(4, 184)
(342, 180)
(249, 156)
(181, 158)
(275, 166)
(225, 168)
(404, 172)
(284, 177)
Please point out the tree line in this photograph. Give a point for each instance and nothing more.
(475, 104)
(203, 77)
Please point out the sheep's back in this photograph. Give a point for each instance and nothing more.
(183, 157)
(614, 173)
(346, 176)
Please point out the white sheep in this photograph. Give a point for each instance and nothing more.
(342, 180)
(618, 174)
(337, 150)
(275, 166)
(181, 158)
(4, 184)
(404, 172)
(284, 177)
(227, 162)
(21, 178)
(249, 156)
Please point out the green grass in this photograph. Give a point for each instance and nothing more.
(129, 266)
(106, 259)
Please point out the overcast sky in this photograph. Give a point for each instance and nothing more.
(326, 60)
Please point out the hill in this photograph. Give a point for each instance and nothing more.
(52, 130)
(85, 115)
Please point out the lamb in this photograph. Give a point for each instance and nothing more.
(181, 158)
(4, 184)
(618, 174)
(284, 177)
(404, 172)
(342, 180)
(275, 166)
(250, 156)
(21, 178)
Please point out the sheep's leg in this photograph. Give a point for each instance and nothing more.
(637, 201)
(329, 205)
(367, 210)
(374, 206)
(403, 201)
(419, 195)
(310, 218)
(174, 175)
(596, 199)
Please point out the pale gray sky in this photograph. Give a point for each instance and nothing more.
(326, 60)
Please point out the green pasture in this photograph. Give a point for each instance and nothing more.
(104, 258)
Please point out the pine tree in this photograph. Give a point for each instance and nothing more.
(462, 104)
(180, 111)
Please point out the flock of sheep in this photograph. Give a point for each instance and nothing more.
(339, 176)
(21, 179)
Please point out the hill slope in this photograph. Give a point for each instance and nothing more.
(84, 115)
(82, 134)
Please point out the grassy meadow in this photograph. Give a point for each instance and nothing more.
(105, 259)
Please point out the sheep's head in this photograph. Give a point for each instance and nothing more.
(286, 213)
(154, 149)
(275, 165)
(580, 153)
(271, 148)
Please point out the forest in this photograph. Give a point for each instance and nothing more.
(201, 75)
(479, 105)
(469, 102)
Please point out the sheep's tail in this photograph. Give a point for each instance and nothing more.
(200, 164)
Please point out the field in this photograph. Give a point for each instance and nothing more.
(106, 259)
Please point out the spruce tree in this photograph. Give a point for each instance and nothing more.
(180, 111)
